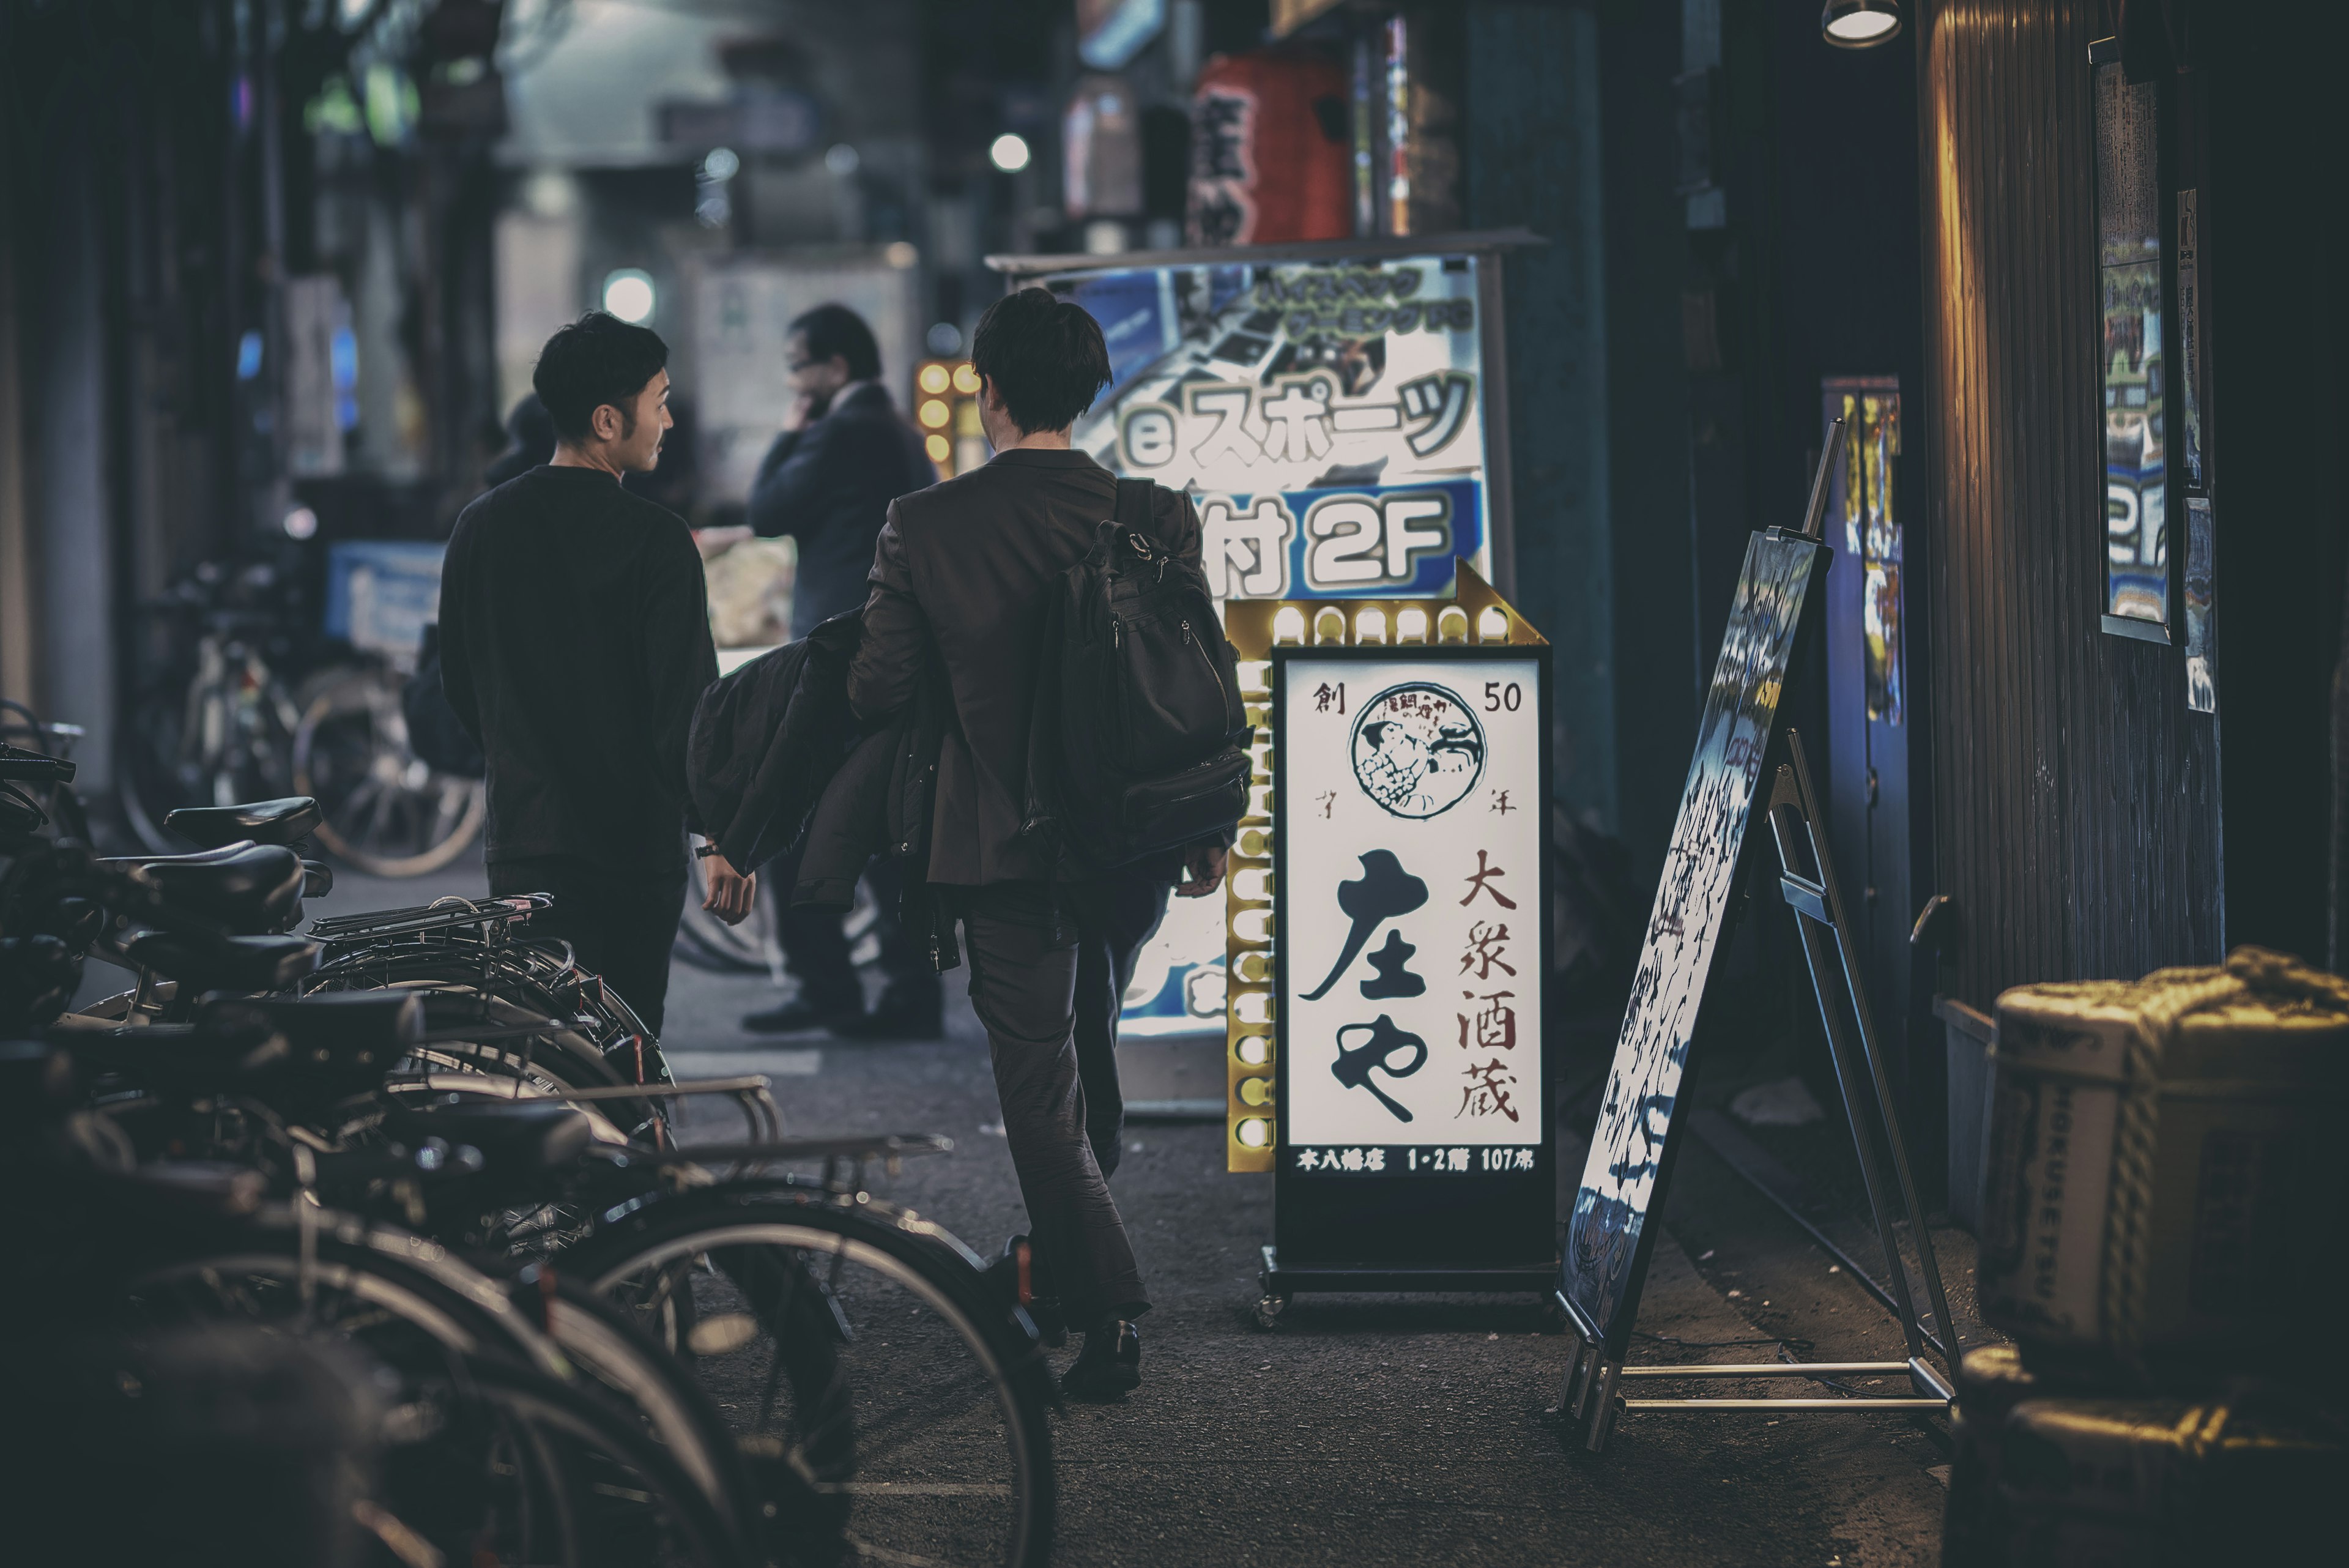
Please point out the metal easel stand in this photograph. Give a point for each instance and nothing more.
(1806, 878)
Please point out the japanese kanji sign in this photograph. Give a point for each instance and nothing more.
(1604, 1257)
(1326, 419)
(1410, 997)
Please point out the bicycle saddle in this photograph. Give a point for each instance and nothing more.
(34, 768)
(371, 1028)
(262, 821)
(227, 964)
(188, 1058)
(515, 1136)
(253, 889)
(335, 1043)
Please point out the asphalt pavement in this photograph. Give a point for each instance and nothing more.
(1364, 1432)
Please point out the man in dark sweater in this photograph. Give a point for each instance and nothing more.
(966, 569)
(574, 640)
(844, 454)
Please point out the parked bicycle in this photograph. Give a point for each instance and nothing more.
(828, 1376)
(238, 718)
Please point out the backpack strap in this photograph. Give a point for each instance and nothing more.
(1134, 508)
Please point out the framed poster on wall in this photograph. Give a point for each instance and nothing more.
(2129, 284)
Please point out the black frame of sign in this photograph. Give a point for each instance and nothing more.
(1476, 1231)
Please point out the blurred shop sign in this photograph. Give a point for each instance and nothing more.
(381, 592)
(1271, 153)
(321, 375)
(1112, 32)
(460, 98)
(750, 586)
(766, 120)
(1100, 142)
(1178, 977)
(1288, 15)
(740, 309)
(1326, 417)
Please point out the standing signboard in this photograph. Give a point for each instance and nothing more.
(1410, 958)
(1749, 773)
(1335, 412)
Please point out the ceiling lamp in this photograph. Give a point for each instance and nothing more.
(1860, 23)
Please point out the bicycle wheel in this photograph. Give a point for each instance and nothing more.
(855, 1354)
(386, 811)
(641, 1380)
(404, 1299)
(203, 734)
(545, 1061)
(591, 1488)
(439, 1324)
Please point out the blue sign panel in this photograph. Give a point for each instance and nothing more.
(1327, 418)
(380, 593)
(1392, 541)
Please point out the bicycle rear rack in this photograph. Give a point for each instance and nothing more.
(891, 1149)
(446, 916)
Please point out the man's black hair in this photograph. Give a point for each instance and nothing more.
(597, 360)
(1045, 357)
(835, 330)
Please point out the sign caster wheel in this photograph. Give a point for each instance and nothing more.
(1268, 1310)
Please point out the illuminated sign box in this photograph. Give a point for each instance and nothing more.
(1327, 417)
(1389, 945)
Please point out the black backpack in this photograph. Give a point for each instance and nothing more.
(434, 732)
(1139, 735)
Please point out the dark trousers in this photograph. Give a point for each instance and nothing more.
(815, 947)
(620, 927)
(1026, 943)
(1114, 918)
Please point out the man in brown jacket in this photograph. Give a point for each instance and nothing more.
(965, 567)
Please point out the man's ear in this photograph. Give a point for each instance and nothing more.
(605, 423)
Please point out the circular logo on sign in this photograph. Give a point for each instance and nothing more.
(1418, 750)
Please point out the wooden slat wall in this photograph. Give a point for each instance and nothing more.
(2076, 799)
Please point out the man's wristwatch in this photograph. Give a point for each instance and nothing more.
(704, 851)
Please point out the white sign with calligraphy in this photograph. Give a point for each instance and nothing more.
(1409, 829)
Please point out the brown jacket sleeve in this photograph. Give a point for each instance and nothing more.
(883, 675)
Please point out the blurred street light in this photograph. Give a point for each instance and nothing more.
(1860, 23)
(1010, 152)
(628, 295)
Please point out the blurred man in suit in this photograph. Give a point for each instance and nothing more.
(844, 455)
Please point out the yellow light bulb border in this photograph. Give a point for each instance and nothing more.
(1251, 1129)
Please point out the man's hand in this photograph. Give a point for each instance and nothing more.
(731, 894)
(806, 410)
(1204, 864)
